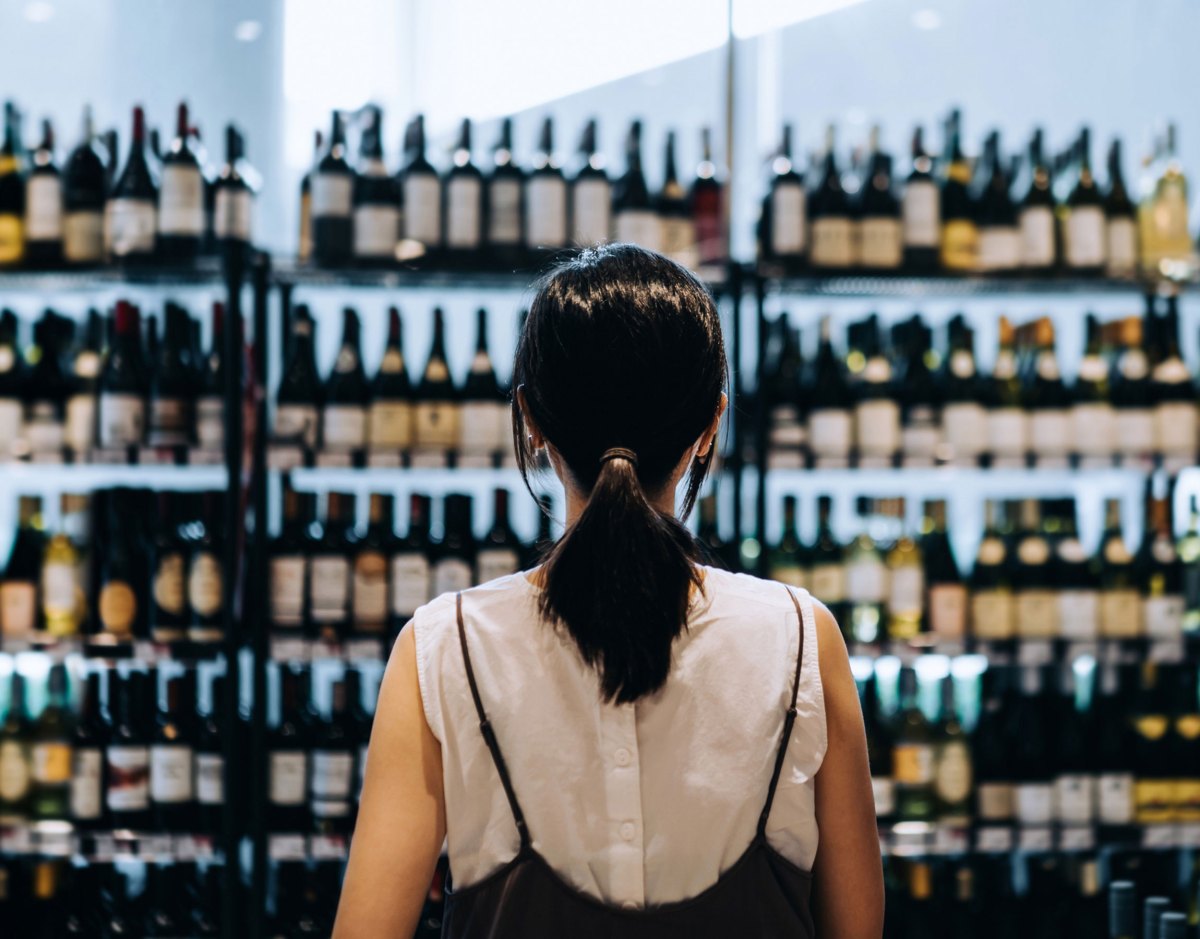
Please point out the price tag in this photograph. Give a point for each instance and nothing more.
(428, 459)
(289, 649)
(1158, 836)
(328, 847)
(118, 457)
(183, 848)
(1189, 835)
(47, 457)
(475, 461)
(949, 647)
(198, 457)
(1077, 838)
(156, 456)
(385, 459)
(912, 838)
(283, 458)
(335, 459)
(287, 848)
(16, 840)
(155, 846)
(1167, 651)
(1035, 839)
(357, 650)
(1035, 652)
(951, 841)
(104, 846)
(874, 462)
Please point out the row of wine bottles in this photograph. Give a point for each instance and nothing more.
(1133, 400)
(111, 385)
(125, 564)
(996, 217)
(1031, 579)
(381, 418)
(165, 207)
(509, 217)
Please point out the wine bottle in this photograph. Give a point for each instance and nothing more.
(1036, 599)
(411, 575)
(333, 201)
(121, 569)
(1133, 397)
(1036, 214)
(80, 414)
(591, 193)
(304, 245)
(171, 790)
(1007, 416)
(15, 757)
(1075, 777)
(233, 196)
(504, 210)
(288, 564)
(959, 245)
(1176, 415)
(906, 578)
(376, 200)
(485, 415)
(1092, 415)
(953, 779)
(62, 589)
(369, 593)
(946, 594)
(181, 197)
(1122, 910)
(19, 588)
(707, 200)
(438, 419)
(879, 751)
(781, 383)
(344, 416)
(87, 757)
(130, 214)
(358, 729)
(454, 556)
(1151, 747)
(172, 390)
(422, 195)
(168, 563)
(1111, 740)
(300, 396)
(1120, 218)
(1049, 402)
(881, 229)
(499, 553)
(50, 751)
(464, 204)
(990, 745)
(827, 572)
(833, 228)
(1078, 581)
(205, 570)
(287, 759)
(715, 550)
(1185, 746)
(913, 755)
(332, 767)
(634, 218)
(921, 432)
(1120, 599)
(127, 754)
(674, 214)
(787, 559)
(1164, 233)
(1161, 573)
(920, 211)
(84, 183)
(12, 191)
(390, 413)
(784, 231)
(47, 389)
(122, 386)
(876, 411)
(210, 387)
(993, 608)
(44, 205)
(1189, 554)
(1031, 753)
(13, 376)
(999, 234)
(209, 765)
(964, 419)
(866, 580)
(329, 568)
(1084, 224)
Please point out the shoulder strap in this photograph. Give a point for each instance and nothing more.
(489, 736)
(788, 721)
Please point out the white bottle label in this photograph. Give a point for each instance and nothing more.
(332, 195)
(877, 427)
(83, 237)
(1034, 803)
(18, 608)
(390, 425)
(423, 209)
(1122, 247)
(1074, 799)
(210, 779)
(450, 575)
(297, 423)
(921, 213)
(86, 765)
(906, 589)
(331, 774)
(948, 610)
(833, 243)
(831, 433)
(882, 243)
(995, 801)
(679, 241)
(170, 774)
(640, 227)
(329, 588)
(1008, 432)
(43, 208)
(181, 201)
(44, 432)
(884, 791)
(376, 230)
(58, 585)
(128, 778)
(504, 212)
(436, 425)
(1037, 614)
(965, 425)
(1093, 426)
(1085, 237)
(494, 563)
(1079, 614)
(1135, 431)
(289, 777)
(1163, 616)
(233, 214)
(464, 226)
(866, 581)
(1115, 798)
(412, 585)
(828, 582)
(591, 211)
(992, 614)
(546, 212)
(1120, 613)
(952, 775)
(80, 430)
(122, 420)
(999, 248)
(370, 589)
(788, 224)
(210, 422)
(1037, 236)
(287, 590)
(345, 427)
(205, 584)
(1175, 428)
(129, 226)
(12, 417)
(481, 428)
(1050, 432)
(15, 777)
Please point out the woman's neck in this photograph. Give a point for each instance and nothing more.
(576, 501)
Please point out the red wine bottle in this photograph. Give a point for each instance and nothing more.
(130, 215)
(545, 198)
(376, 198)
(332, 202)
(464, 205)
(44, 205)
(85, 181)
(233, 197)
(505, 209)
(422, 195)
(344, 419)
(122, 386)
(707, 201)
(181, 197)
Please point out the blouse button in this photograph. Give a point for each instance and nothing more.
(622, 757)
(628, 830)
(629, 905)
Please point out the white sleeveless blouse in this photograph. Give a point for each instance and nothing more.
(635, 804)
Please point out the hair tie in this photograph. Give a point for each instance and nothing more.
(618, 453)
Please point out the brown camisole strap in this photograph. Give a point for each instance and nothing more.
(788, 721)
(489, 736)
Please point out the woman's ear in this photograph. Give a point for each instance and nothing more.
(536, 440)
(707, 439)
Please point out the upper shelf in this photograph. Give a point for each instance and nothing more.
(207, 273)
(864, 286)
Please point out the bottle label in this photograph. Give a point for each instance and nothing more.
(787, 430)
(345, 427)
(83, 237)
(965, 424)
(423, 208)
(128, 778)
(882, 243)
(546, 212)
(330, 588)
(788, 223)
(1120, 613)
(494, 563)
(80, 429)
(287, 590)
(1037, 614)
(1175, 428)
(389, 425)
(233, 214)
(1050, 432)
(1085, 237)
(464, 227)
(1074, 799)
(591, 212)
(170, 774)
(44, 431)
(289, 777)
(679, 241)
(828, 582)
(877, 427)
(1163, 616)
(1115, 798)
(122, 420)
(830, 432)
(170, 422)
(210, 422)
(992, 614)
(1079, 613)
(884, 791)
(43, 208)
(437, 425)
(1034, 803)
(866, 580)
(960, 245)
(906, 589)
(168, 586)
(995, 801)
(912, 764)
(412, 584)
(332, 195)
(331, 774)
(14, 771)
(12, 416)
(450, 575)
(921, 212)
(18, 608)
(639, 227)
(1122, 247)
(1008, 432)
(1093, 428)
(833, 243)
(482, 432)
(129, 226)
(51, 763)
(370, 589)
(210, 779)
(504, 212)
(297, 423)
(787, 573)
(1135, 431)
(205, 585)
(117, 608)
(1037, 236)
(12, 239)
(181, 201)
(999, 249)
(1152, 801)
(59, 588)
(948, 610)
(952, 776)
(86, 802)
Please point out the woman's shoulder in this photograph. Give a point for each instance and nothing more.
(496, 603)
(727, 589)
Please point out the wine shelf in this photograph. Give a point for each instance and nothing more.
(61, 839)
(205, 274)
(852, 286)
(55, 476)
(104, 648)
(919, 839)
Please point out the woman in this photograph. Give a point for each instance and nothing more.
(621, 742)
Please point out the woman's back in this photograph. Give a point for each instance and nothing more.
(635, 804)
